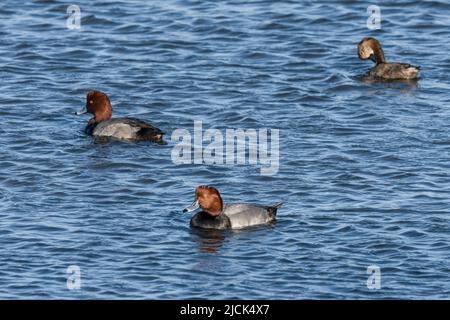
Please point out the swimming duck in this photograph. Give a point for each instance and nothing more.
(215, 215)
(370, 48)
(101, 125)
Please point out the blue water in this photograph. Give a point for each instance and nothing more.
(364, 167)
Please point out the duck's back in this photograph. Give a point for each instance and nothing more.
(395, 71)
(127, 128)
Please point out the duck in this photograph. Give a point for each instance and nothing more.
(216, 215)
(102, 125)
(370, 48)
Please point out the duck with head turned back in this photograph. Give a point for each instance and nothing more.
(370, 48)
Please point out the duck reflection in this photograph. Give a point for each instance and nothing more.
(209, 240)
(404, 85)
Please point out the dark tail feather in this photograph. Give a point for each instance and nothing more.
(273, 209)
(413, 66)
(153, 134)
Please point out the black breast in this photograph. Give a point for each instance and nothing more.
(205, 221)
(90, 126)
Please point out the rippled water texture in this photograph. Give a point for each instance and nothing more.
(364, 167)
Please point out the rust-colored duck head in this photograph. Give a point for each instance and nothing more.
(98, 104)
(208, 199)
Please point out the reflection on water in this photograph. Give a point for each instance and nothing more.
(404, 85)
(209, 241)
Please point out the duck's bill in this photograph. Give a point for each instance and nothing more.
(372, 57)
(79, 113)
(192, 207)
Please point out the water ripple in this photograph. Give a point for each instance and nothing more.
(363, 165)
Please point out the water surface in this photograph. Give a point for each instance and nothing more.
(364, 167)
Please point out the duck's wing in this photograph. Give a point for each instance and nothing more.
(239, 208)
(405, 66)
(406, 70)
(236, 208)
(137, 123)
(128, 128)
(243, 215)
(396, 71)
(144, 130)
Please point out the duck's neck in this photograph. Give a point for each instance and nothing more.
(103, 116)
(215, 213)
(378, 53)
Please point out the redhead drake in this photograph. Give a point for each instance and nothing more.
(101, 125)
(215, 215)
(370, 48)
